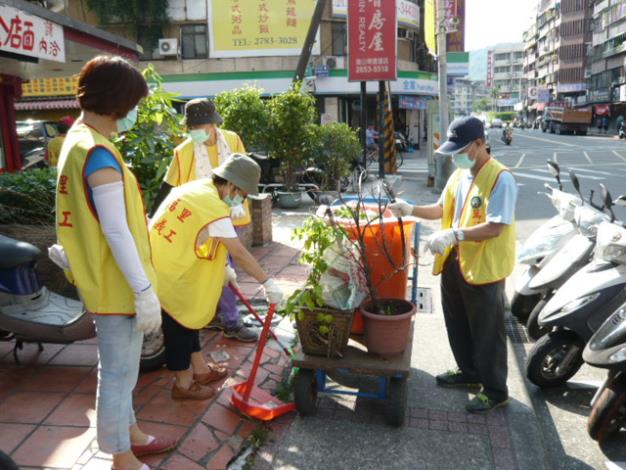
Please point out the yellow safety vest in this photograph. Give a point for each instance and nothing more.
(190, 277)
(182, 168)
(102, 286)
(486, 261)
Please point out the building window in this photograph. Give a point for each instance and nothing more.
(340, 38)
(502, 56)
(194, 43)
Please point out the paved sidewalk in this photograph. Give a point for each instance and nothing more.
(47, 414)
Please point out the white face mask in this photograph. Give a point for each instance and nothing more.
(199, 136)
(463, 161)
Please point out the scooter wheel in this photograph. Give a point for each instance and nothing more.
(608, 415)
(305, 392)
(544, 365)
(533, 330)
(522, 305)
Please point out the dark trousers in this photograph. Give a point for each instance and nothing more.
(180, 342)
(474, 318)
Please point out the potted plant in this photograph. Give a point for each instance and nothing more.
(291, 134)
(382, 242)
(338, 148)
(322, 326)
(247, 114)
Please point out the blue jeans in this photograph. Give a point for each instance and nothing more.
(227, 307)
(119, 353)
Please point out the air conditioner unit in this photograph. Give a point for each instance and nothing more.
(333, 62)
(168, 46)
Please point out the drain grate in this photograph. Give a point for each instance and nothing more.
(515, 331)
(424, 300)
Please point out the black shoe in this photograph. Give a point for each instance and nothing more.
(242, 333)
(481, 403)
(456, 379)
(216, 324)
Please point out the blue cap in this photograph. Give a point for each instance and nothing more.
(462, 132)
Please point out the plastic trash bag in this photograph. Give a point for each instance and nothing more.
(343, 284)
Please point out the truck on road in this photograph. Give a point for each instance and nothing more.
(562, 120)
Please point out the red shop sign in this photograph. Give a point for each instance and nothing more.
(372, 41)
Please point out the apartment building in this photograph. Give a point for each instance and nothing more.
(607, 57)
(464, 93)
(506, 74)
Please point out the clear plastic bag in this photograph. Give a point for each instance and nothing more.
(343, 284)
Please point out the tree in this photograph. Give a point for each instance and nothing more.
(481, 105)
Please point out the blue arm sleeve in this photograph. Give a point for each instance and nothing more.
(501, 208)
(101, 158)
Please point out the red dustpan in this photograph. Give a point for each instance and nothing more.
(250, 399)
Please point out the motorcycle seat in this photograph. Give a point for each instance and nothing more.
(14, 252)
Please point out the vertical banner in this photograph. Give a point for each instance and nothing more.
(429, 26)
(372, 40)
(489, 80)
(456, 36)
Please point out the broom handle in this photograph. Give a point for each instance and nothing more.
(259, 352)
(258, 318)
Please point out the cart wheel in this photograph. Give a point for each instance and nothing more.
(397, 401)
(305, 392)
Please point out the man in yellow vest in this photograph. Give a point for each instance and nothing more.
(474, 252)
(207, 147)
(191, 235)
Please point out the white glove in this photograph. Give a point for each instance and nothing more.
(401, 208)
(57, 255)
(237, 212)
(230, 276)
(439, 241)
(272, 291)
(148, 309)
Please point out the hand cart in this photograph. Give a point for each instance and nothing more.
(391, 374)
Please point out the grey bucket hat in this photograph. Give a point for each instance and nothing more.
(201, 111)
(242, 171)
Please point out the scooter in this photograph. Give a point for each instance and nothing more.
(542, 245)
(621, 132)
(575, 254)
(30, 313)
(581, 305)
(507, 136)
(607, 349)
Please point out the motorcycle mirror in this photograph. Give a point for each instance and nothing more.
(574, 179)
(608, 201)
(554, 168)
(620, 201)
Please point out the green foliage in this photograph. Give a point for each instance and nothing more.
(506, 116)
(149, 145)
(318, 237)
(481, 105)
(291, 132)
(338, 146)
(147, 18)
(27, 197)
(247, 114)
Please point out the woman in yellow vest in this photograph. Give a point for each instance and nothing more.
(474, 253)
(101, 229)
(207, 147)
(191, 235)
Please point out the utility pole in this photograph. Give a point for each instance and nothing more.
(305, 55)
(443, 165)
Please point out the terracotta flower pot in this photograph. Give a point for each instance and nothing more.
(386, 335)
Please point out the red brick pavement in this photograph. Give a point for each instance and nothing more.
(47, 414)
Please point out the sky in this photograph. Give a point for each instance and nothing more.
(490, 22)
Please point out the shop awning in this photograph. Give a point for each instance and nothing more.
(602, 109)
(46, 104)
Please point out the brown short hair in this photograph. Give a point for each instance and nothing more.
(110, 86)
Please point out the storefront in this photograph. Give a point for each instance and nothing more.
(37, 43)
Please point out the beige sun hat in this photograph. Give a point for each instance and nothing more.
(242, 171)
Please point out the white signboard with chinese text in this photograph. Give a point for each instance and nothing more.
(30, 35)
